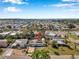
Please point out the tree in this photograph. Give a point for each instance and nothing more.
(47, 41)
(17, 36)
(1, 31)
(54, 44)
(1, 37)
(71, 26)
(10, 39)
(40, 54)
(1, 50)
(9, 26)
(32, 34)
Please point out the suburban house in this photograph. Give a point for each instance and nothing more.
(50, 34)
(5, 33)
(60, 42)
(21, 43)
(36, 43)
(15, 32)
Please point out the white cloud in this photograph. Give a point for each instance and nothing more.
(75, 11)
(67, 0)
(62, 5)
(70, 0)
(65, 5)
(12, 9)
(16, 1)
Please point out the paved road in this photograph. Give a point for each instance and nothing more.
(61, 57)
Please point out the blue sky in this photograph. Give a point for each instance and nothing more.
(39, 8)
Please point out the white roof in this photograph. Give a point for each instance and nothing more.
(60, 42)
(50, 33)
(18, 41)
(4, 33)
(15, 32)
(14, 44)
(58, 39)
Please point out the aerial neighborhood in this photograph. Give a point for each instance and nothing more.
(39, 39)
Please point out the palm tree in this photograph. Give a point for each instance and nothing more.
(40, 54)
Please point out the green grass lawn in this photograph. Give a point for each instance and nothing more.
(61, 51)
(74, 36)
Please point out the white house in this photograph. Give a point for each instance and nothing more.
(51, 34)
(5, 33)
(21, 42)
